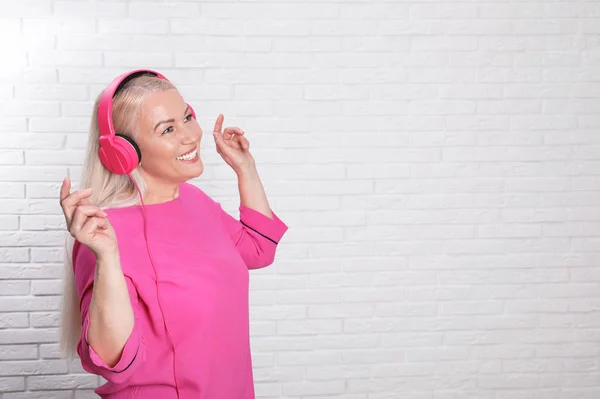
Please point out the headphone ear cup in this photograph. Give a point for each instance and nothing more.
(134, 145)
(123, 156)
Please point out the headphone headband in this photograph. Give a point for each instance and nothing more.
(105, 122)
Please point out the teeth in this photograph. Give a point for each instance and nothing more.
(189, 156)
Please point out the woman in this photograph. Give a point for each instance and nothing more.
(156, 294)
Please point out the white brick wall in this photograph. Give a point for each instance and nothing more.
(438, 164)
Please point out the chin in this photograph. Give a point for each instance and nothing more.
(191, 171)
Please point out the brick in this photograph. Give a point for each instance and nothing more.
(14, 255)
(9, 287)
(50, 92)
(26, 8)
(65, 58)
(40, 395)
(45, 319)
(50, 351)
(95, 10)
(11, 384)
(18, 352)
(34, 141)
(175, 10)
(124, 59)
(36, 383)
(50, 26)
(205, 27)
(33, 367)
(271, 11)
(25, 303)
(314, 388)
(132, 26)
(9, 222)
(13, 320)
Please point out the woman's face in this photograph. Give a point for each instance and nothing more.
(169, 139)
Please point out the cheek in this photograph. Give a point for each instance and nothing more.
(156, 156)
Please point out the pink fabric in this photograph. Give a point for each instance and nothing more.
(202, 256)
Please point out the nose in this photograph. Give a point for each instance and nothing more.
(190, 132)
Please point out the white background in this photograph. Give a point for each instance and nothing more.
(438, 164)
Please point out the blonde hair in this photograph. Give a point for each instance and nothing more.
(109, 190)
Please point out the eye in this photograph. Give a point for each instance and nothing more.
(188, 117)
(168, 130)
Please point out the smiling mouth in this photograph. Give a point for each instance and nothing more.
(189, 155)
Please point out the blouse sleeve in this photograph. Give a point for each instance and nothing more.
(133, 352)
(255, 235)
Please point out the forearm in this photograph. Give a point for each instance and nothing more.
(111, 314)
(252, 192)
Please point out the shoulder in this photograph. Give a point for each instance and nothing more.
(125, 219)
(191, 188)
(188, 189)
(198, 200)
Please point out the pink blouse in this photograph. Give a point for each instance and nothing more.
(202, 256)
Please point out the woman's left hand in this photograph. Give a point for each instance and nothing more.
(233, 146)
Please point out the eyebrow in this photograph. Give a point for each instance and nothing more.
(171, 120)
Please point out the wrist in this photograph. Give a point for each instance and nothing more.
(107, 258)
(247, 172)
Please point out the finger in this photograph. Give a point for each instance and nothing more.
(236, 142)
(232, 131)
(82, 214)
(69, 204)
(244, 143)
(219, 123)
(65, 188)
(74, 198)
(89, 211)
(103, 224)
(83, 201)
(220, 142)
(91, 226)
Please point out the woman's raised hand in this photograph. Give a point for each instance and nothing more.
(88, 224)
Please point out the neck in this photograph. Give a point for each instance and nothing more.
(158, 192)
(158, 198)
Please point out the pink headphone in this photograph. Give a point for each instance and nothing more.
(119, 153)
